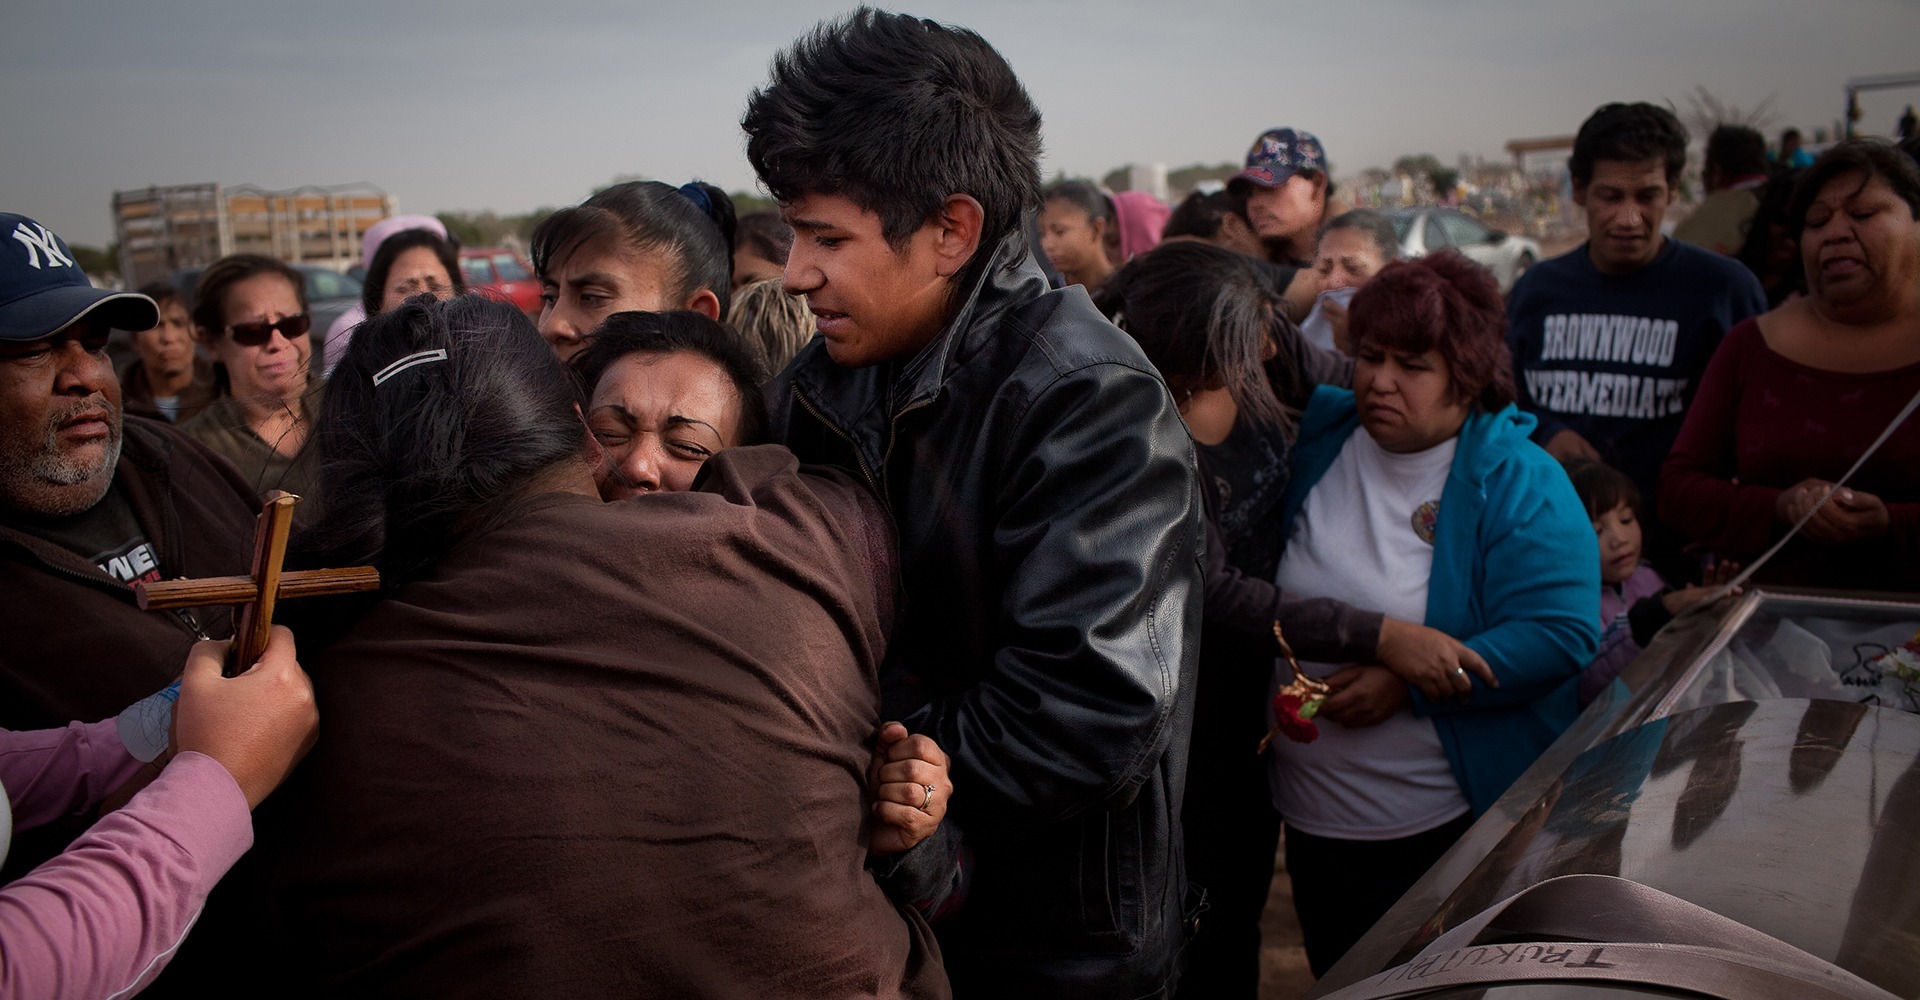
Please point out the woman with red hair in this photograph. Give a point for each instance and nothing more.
(1417, 495)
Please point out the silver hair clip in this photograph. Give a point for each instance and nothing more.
(410, 361)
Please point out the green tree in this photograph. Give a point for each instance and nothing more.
(486, 229)
(94, 260)
(747, 202)
(464, 228)
(620, 179)
(1419, 165)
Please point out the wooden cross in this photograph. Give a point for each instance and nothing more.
(254, 595)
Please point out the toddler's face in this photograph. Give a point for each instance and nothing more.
(1619, 533)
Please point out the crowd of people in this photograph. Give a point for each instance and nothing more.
(888, 596)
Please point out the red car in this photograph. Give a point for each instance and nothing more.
(503, 275)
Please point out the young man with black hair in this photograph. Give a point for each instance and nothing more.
(1735, 170)
(1041, 482)
(1609, 340)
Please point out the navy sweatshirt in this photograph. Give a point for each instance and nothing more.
(1617, 357)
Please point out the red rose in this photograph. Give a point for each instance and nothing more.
(1294, 717)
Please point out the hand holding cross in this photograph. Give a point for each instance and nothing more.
(256, 593)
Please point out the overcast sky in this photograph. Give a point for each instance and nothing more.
(515, 105)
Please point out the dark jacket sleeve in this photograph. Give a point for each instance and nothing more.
(931, 878)
(1097, 540)
(1301, 365)
(1318, 628)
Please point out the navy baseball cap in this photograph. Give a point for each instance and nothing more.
(1278, 154)
(43, 291)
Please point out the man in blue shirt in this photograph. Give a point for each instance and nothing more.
(1609, 340)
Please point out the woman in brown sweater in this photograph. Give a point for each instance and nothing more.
(585, 749)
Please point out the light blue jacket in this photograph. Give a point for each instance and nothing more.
(1516, 576)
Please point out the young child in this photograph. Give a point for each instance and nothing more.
(1635, 603)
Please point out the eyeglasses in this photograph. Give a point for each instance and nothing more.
(257, 333)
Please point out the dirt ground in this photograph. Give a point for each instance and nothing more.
(1283, 962)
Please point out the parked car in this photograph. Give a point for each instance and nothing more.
(501, 274)
(1426, 229)
(1735, 818)
(329, 294)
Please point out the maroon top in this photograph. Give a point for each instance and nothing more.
(1760, 424)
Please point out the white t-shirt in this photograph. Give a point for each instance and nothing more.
(1365, 536)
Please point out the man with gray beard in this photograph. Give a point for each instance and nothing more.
(91, 503)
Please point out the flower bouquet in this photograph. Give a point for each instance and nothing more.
(1890, 678)
(1297, 702)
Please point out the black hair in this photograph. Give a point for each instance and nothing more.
(1083, 195)
(1789, 134)
(210, 295)
(1756, 252)
(440, 446)
(373, 290)
(1737, 150)
(1204, 316)
(164, 291)
(1629, 133)
(690, 227)
(717, 206)
(766, 234)
(1602, 487)
(1376, 227)
(896, 114)
(1200, 213)
(676, 332)
(1870, 158)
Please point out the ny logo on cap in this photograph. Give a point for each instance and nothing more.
(41, 242)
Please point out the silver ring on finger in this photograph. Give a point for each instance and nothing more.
(924, 803)
(1460, 671)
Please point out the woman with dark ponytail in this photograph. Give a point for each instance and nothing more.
(480, 414)
(580, 748)
(641, 246)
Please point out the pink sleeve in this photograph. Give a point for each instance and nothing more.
(50, 773)
(103, 918)
(1698, 494)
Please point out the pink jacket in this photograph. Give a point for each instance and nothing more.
(103, 918)
(1141, 218)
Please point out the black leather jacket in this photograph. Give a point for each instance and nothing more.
(1044, 489)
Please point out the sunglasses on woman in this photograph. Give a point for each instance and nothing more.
(259, 332)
